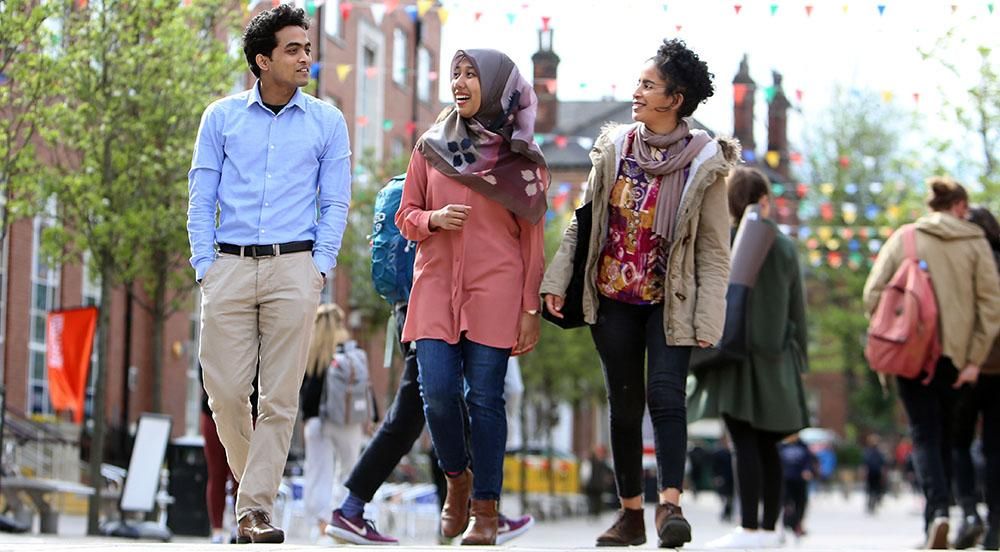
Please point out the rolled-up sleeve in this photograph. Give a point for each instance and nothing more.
(334, 195)
(203, 189)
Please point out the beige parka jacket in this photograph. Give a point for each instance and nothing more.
(698, 266)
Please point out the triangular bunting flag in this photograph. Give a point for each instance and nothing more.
(343, 70)
(773, 158)
(443, 15)
(774, 9)
(545, 22)
(423, 6)
(378, 13)
(345, 10)
(809, 10)
(881, 9)
(737, 8)
(511, 16)
(739, 92)
(390, 5)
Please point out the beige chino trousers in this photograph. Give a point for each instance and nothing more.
(267, 307)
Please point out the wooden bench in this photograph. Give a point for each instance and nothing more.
(40, 492)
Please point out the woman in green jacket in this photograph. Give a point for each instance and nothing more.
(761, 399)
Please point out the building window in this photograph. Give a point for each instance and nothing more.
(44, 298)
(370, 90)
(424, 74)
(332, 21)
(399, 57)
(397, 148)
(91, 298)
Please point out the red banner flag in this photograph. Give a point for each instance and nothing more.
(69, 338)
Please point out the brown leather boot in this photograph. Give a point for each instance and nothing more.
(671, 526)
(629, 529)
(483, 523)
(455, 513)
(256, 527)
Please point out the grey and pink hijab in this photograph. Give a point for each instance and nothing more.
(494, 152)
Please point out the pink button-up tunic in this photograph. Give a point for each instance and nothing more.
(477, 280)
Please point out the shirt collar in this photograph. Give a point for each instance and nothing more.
(298, 98)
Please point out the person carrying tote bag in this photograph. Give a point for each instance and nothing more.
(761, 398)
(752, 241)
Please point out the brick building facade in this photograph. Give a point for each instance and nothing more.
(388, 97)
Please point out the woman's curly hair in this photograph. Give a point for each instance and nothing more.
(685, 73)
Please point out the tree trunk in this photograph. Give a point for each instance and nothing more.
(98, 420)
(159, 322)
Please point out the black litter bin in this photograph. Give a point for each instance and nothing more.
(188, 515)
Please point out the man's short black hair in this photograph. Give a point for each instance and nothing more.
(684, 73)
(259, 36)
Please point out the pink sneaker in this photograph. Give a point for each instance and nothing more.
(357, 530)
(511, 528)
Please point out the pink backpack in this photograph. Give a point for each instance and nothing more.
(903, 331)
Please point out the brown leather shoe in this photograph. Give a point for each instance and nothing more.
(482, 523)
(671, 527)
(455, 513)
(256, 527)
(628, 529)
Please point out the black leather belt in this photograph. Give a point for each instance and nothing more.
(270, 250)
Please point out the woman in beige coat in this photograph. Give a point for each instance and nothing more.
(964, 279)
(656, 276)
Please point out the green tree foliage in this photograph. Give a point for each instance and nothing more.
(564, 366)
(977, 110)
(26, 77)
(856, 145)
(133, 78)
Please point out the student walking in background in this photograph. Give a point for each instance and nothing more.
(474, 201)
(956, 255)
(974, 402)
(800, 467)
(761, 399)
(656, 273)
(336, 406)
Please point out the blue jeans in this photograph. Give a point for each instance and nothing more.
(478, 370)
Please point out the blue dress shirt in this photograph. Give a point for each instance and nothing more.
(274, 178)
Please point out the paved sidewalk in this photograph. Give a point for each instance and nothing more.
(833, 522)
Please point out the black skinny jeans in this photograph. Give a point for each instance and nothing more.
(930, 409)
(758, 473)
(395, 437)
(623, 335)
(981, 399)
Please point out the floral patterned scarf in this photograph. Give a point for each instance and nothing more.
(494, 152)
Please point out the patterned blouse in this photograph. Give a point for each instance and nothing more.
(633, 265)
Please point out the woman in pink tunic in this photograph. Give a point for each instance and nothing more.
(474, 200)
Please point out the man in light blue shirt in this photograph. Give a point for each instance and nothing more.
(275, 164)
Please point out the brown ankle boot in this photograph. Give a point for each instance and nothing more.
(483, 523)
(455, 513)
(671, 526)
(628, 529)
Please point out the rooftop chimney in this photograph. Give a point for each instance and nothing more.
(546, 65)
(777, 126)
(743, 94)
